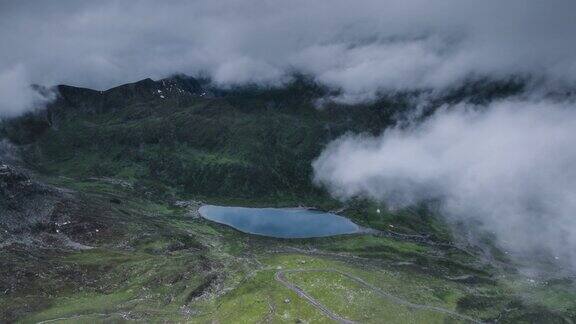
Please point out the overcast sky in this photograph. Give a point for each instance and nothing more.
(358, 46)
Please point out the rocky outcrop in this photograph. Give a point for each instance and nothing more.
(24, 202)
(191, 207)
(34, 213)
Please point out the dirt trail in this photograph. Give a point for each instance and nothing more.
(75, 317)
(280, 276)
(316, 304)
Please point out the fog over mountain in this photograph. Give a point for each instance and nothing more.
(508, 166)
(507, 170)
(360, 47)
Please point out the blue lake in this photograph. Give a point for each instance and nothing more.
(280, 222)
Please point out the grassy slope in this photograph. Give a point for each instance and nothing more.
(165, 265)
(250, 148)
(245, 143)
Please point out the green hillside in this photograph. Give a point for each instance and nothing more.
(120, 175)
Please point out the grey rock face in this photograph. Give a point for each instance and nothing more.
(30, 210)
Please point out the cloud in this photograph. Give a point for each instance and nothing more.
(361, 47)
(16, 93)
(507, 168)
(513, 159)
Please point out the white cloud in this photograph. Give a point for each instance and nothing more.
(508, 168)
(16, 93)
(245, 70)
(361, 47)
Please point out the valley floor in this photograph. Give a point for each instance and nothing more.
(157, 262)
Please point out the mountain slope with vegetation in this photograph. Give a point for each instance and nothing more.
(246, 142)
(120, 174)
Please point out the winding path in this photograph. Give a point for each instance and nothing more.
(280, 277)
(73, 317)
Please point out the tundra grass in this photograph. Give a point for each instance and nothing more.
(166, 266)
(359, 303)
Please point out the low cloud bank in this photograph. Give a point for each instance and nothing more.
(360, 47)
(508, 169)
(17, 94)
